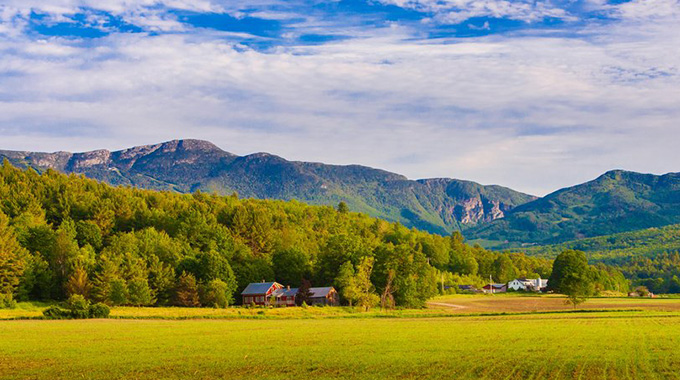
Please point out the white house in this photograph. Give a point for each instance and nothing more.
(530, 284)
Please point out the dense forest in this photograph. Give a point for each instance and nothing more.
(64, 235)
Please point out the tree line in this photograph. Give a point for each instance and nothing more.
(68, 235)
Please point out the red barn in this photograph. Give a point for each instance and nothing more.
(495, 288)
(259, 293)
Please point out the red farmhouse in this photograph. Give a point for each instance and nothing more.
(259, 293)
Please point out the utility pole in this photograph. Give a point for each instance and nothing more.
(490, 284)
(442, 282)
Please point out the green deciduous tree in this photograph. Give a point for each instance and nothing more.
(12, 259)
(217, 294)
(345, 283)
(366, 297)
(291, 266)
(572, 277)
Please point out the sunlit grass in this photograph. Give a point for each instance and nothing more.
(610, 345)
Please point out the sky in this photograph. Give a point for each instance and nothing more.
(533, 95)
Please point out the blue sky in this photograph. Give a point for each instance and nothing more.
(534, 95)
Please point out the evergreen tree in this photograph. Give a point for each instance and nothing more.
(139, 292)
(78, 283)
(186, 292)
(118, 294)
(304, 294)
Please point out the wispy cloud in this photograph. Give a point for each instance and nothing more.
(457, 11)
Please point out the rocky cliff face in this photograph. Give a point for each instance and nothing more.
(437, 205)
(476, 210)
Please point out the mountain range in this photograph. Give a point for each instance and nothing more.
(617, 201)
(436, 205)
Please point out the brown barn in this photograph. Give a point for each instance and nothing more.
(324, 296)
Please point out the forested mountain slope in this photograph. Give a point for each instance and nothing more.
(617, 201)
(435, 205)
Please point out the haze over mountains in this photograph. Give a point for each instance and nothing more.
(618, 201)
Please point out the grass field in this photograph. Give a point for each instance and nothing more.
(512, 303)
(550, 345)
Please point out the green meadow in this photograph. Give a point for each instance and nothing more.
(628, 341)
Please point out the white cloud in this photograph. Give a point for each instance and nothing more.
(457, 11)
(534, 112)
(649, 9)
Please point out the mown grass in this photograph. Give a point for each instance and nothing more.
(513, 303)
(606, 345)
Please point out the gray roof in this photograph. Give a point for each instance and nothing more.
(320, 292)
(290, 292)
(495, 286)
(258, 288)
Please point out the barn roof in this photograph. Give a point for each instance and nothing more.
(320, 292)
(255, 288)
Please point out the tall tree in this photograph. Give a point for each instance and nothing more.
(571, 276)
(366, 297)
(304, 293)
(345, 283)
(186, 293)
(291, 266)
(12, 258)
(78, 283)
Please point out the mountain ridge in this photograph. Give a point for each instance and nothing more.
(614, 202)
(438, 205)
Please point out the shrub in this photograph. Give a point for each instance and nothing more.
(99, 310)
(78, 307)
(55, 312)
(7, 301)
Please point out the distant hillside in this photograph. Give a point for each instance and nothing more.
(650, 242)
(617, 201)
(649, 257)
(435, 205)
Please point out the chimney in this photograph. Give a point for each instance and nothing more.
(263, 281)
(288, 287)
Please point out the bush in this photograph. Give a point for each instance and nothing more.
(99, 310)
(7, 301)
(78, 307)
(55, 312)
